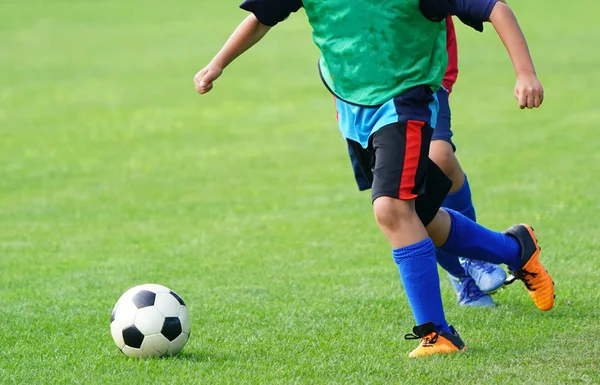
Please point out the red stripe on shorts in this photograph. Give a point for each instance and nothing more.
(412, 153)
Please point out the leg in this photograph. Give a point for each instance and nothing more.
(471, 279)
(398, 221)
(442, 153)
(452, 231)
(396, 168)
(487, 277)
(399, 190)
(517, 247)
(398, 179)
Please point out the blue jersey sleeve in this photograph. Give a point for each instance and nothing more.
(474, 12)
(471, 12)
(271, 12)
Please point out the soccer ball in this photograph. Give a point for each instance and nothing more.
(150, 321)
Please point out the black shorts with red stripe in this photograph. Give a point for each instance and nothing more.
(396, 163)
(391, 142)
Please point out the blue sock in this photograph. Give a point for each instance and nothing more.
(474, 241)
(460, 201)
(450, 263)
(418, 271)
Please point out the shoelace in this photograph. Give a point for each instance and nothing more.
(471, 289)
(425, 340)
(485, 266)
(522, 276)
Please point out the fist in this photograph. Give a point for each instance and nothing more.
(529, 92)
(203, 81)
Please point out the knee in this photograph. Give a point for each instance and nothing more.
(390, 213)
(442, 154)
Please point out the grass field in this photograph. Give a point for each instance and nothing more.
(115, 173)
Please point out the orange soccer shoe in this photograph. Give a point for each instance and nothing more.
(433, 342)
(533, 274)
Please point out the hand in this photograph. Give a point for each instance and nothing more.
(203, 81)
(529, 91)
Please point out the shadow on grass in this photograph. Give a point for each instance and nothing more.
(196, 357)
(199, 357)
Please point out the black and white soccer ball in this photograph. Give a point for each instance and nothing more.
(150, 321)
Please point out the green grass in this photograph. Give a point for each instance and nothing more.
(115, 173)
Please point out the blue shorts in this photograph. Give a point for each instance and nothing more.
(443, 127)
(440, 121)
(360, 123)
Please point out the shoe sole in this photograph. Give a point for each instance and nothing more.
(436, 353)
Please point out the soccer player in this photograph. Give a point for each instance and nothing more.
(472, 280)
(383, 60)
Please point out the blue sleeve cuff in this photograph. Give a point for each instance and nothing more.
(474, 12)
(471, 12)
(488, 9)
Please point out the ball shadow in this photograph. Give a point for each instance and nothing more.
(199, 357)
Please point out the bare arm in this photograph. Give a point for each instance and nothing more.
(473, 13)
(249, 32)
(528, 90)
(510, 33)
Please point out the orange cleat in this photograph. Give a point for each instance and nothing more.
(533, 274)
(433, 342)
